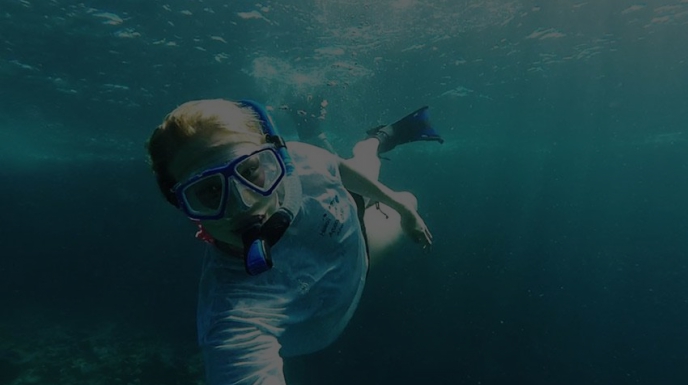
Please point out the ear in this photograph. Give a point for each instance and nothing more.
(166, 183)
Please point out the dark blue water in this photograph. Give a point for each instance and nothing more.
(558, 202)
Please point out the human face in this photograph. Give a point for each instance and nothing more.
(232, 187)
(228, 186)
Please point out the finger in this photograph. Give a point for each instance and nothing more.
(420, 237)
(425, 238)
(427, 247)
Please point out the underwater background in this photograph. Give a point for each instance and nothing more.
(557, 203)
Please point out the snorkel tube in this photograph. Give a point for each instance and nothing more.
(260, 238)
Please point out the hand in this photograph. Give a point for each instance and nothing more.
(414, 226)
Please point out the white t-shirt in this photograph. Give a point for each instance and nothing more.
(247, 323)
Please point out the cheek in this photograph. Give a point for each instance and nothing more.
(269, 205)
(220, 230)
(263, 204)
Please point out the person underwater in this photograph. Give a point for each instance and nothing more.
(288, 248)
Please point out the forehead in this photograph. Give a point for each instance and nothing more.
(203, 151)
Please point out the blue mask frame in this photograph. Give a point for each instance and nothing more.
(227, 171)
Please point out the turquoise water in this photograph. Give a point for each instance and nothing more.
(557, 201)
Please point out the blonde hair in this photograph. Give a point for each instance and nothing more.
(195, 118)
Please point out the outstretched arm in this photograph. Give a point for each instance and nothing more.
(238, 326)
(246, 356)
(359, 183)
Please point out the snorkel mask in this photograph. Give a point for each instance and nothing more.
(233, 187)
(237, 185)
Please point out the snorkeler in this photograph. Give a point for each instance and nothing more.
(289, 251)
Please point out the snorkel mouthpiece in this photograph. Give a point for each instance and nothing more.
(257, 257)
(259, 239)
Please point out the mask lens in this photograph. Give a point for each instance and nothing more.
(205, 196)
(251, 179)
(260, 171)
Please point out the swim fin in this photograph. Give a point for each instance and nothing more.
(413, 127)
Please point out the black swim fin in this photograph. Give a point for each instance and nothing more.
(413, 127)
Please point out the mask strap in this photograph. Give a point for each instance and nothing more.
(202, 233)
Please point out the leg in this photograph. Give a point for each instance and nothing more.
(383, 224)
(383, 228)
(365, 158)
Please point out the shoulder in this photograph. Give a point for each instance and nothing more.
(309, 152)
(308, 158)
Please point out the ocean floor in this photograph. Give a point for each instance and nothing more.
(38, 350)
